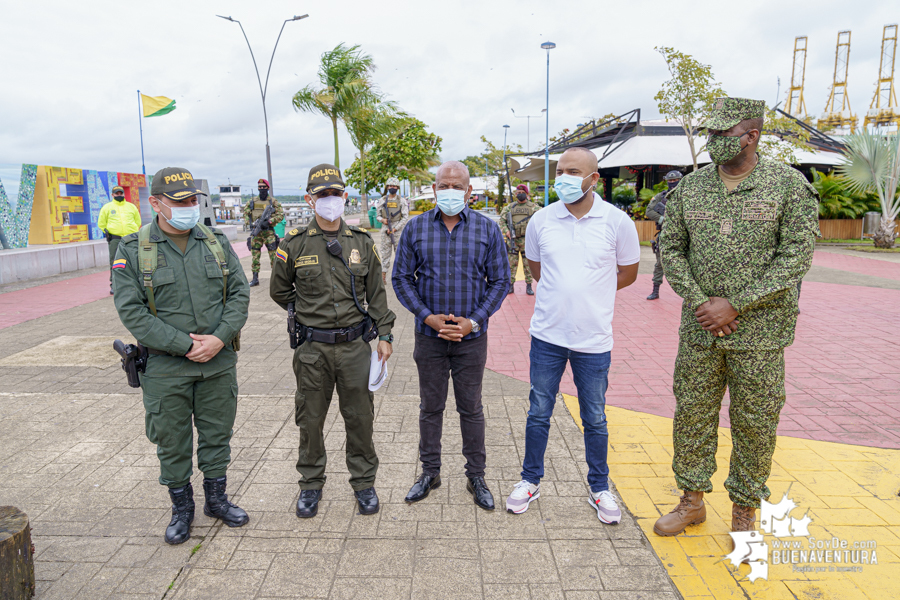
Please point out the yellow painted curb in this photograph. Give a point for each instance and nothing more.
(850, 492)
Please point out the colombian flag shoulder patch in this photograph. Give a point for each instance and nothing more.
(281, 255)
(119, 263)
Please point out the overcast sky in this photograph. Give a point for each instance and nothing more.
(70, 71)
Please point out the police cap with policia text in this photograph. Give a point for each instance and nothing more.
(324, 177)
(728, 112)
(174, 183)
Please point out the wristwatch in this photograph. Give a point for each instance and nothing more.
(475, 326)
(389, 338)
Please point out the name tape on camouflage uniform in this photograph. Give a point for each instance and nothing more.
(703, 215)
(759, 210)
(305, 261)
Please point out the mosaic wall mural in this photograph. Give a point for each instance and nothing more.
(16, 219)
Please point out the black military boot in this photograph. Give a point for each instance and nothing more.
(655, 293)
(528, 289)
(217, 505)
(179, 529)
(255, 280)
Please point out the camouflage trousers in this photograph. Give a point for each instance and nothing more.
(257, 243)
(386, 250)
(519, 245)
(755, 381)
(658, 270)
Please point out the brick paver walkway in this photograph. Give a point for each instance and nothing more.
(73, 455)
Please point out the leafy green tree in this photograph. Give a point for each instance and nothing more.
(406, 153)
(492, 158)
(783, 137)
(371, 118)
(872, 163)
(689, 95)
(836, 201)
(344, 76)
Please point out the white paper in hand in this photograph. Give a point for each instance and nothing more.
(377, 372)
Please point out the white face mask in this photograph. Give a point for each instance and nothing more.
(330, 208)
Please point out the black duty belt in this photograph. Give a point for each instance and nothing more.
(156, 352)
(114, 237)
(336, 336)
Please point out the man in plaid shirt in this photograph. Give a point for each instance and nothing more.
(452, 274)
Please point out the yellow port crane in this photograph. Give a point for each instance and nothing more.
(837, 110)
(883, 110)
(796, 106)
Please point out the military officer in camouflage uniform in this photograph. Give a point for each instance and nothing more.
(252, 212)
(737, 237)
(519, 213)
(312, 271)
(182, 293)
(655, 212)
(393, 212)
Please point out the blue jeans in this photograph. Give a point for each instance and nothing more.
(590, 371)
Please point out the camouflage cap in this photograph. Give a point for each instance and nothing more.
(393, 181)
(174, 183)
(324, 177)
(118, 188)
(728, 112)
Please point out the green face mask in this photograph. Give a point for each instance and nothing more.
(723, 148)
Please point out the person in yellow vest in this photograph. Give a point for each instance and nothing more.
(117, 219)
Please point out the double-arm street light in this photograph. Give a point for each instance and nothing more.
(503, 166)
(529, 117)
(548, 46)
(264, 88)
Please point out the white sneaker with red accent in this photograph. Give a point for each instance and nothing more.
(607, 510)
(522, 495)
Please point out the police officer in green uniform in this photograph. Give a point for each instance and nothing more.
(182, 293)
(312, 274)
(656, 211)
(514, 220)
(737, 237)
(267, 237)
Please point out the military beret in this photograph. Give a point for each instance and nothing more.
(728, 112)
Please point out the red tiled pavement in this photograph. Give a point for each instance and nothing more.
(843, 370)
(857, 264)
(31, 303)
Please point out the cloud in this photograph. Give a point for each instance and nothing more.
(71, 71)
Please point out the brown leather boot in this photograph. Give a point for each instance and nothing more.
(690, 511)
(743, 518)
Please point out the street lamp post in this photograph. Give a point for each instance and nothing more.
(262, 88)
(505, 170)
(529, 117)
(548, 46)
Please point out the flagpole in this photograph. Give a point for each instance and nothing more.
(141, 124)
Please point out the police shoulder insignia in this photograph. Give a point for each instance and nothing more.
(354, 256)
(375, 250)
(281, 255)
(312, 231)
(293, 232)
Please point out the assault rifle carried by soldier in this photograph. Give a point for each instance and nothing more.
(262, 213)
(513, 222)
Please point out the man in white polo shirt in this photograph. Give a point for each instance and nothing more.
(581, 250)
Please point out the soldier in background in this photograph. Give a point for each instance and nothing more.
(393, 212)
(252, 212)
(656, 211)
(513, 222)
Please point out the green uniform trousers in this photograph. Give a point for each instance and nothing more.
(266, 236)
(519, 245)
(658, 270)
(174, 406)
(320, 367)
(755, 380)
(113, 246)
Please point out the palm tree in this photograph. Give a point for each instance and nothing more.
(368, 119)
(873, 162)
(344, 77)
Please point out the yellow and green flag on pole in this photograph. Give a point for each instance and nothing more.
(155, 106)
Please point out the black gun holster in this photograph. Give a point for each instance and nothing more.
(273, 246)
(134, 361)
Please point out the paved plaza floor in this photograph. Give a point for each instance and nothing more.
(73, 455)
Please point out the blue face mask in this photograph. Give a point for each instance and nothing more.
(568, 188)
(451, 202)
(183, 218)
